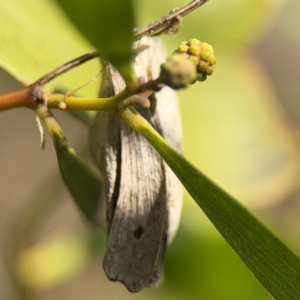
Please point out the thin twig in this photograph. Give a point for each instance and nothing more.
(71, 93)
(167, 20)
(66, 67)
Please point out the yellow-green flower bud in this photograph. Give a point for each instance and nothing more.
(212, 60)
(183, 48)
(209, 71)
(195, 50)
(205, 55)
(201, 77)
(183, 43)
(194, 42)
(207, 47)
(201, 55)
(202, 67)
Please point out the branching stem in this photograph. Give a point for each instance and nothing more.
(173, 16)
(45, 114)
(99, 104)
(66, 67)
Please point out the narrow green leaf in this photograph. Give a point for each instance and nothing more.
(36, 37)
(275, 266)
(82, 179)
(108, 24)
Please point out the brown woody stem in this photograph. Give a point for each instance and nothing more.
(167, 20)
(33, 95)
(30, 96)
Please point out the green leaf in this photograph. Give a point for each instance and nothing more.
(82, 179)
(108, 24)
(268, 258)
(35, 38)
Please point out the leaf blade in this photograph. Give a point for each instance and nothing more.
(108, 25)
(34, 42)
(274, 265)
(82, 179)
(272, 262)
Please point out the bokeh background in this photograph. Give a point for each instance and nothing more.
(241, 128)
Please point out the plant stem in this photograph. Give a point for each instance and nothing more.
(22, 97)
(34, 95)
(50, 122)
(99, 104)
(66, 67)
(166, 21)
(132, 118)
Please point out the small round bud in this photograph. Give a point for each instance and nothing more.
(178, 72)
(205, 55)
(212, 60)
(202, 66)
(183, 43)
(195, 50)
(176, 52)
(195, 42)
(209, 71)
(207, 47)
(201, 77)
(183, 48)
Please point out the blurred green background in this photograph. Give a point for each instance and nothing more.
(240, 128)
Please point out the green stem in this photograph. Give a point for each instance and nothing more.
(98, 104)
(34, 95)
(50, 122)
(130, 116)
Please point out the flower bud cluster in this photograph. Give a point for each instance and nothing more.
(192, 61)
(202, 54)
